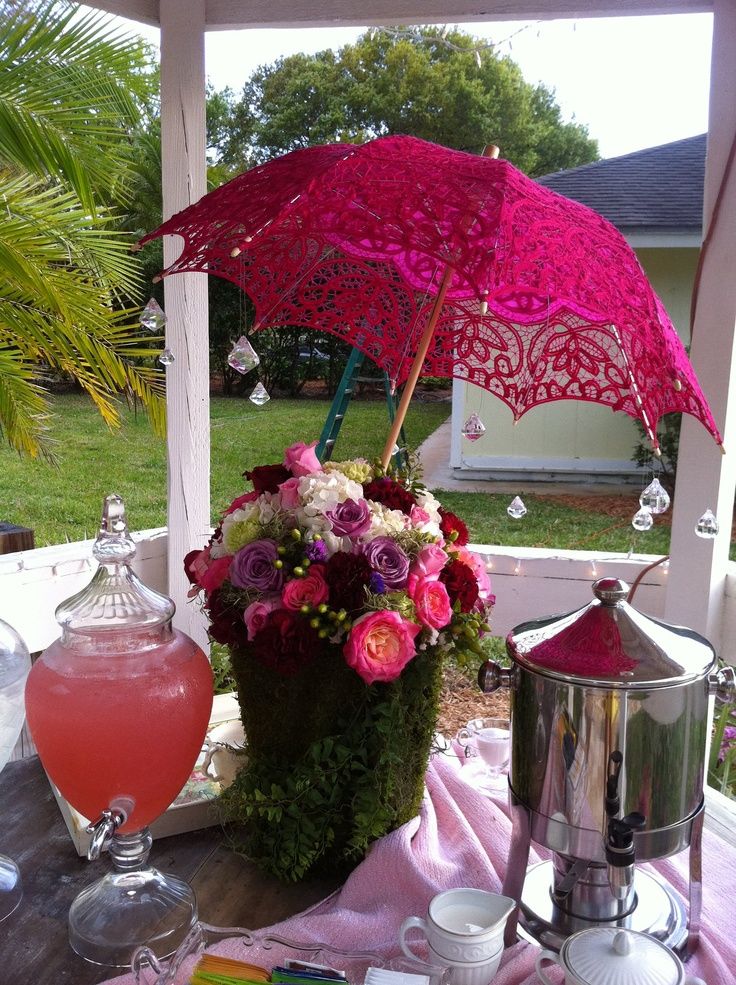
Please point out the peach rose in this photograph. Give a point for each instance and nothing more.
(432, 603)
(477, 566)
(380, 645)
(300, 459)
(310, 590)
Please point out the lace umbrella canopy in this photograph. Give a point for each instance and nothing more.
(437, 262)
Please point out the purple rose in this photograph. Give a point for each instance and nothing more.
(387, 558)
(350, 519)
(253, 567)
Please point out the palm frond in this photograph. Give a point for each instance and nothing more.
(23, 409)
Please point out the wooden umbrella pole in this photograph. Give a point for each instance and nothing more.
(416, 369)
(489, 151)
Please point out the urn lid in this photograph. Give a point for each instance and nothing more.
(610, 643)
(612, 956)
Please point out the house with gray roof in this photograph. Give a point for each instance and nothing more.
(655, 198)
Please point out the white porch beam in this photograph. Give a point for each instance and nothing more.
(234, 14)
(184, 168)
(705, 477)
(223, 15)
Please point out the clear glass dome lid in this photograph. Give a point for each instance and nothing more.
(115, 598)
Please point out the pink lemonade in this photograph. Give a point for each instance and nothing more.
(120, 726)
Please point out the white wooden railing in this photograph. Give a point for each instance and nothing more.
(529, 583)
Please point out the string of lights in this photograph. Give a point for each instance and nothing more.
(417, 35)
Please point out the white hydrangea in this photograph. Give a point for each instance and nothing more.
(427, 502)
(322, 491)
(430, 505)
(384, 522)
(316, 523)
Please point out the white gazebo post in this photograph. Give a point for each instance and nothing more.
(184, 168)
(705, 477)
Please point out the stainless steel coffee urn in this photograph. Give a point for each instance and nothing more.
(609, 712)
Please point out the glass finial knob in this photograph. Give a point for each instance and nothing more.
(113, 544)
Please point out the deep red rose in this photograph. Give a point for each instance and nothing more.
(449, 524)
(347, 576)
(461, 584)
(226, 624)
(188, 558)
(390, 494)
(286, 643)
(268, 478)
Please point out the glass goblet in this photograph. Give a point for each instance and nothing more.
(15, 663)
(488, 739)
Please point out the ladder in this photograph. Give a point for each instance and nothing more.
(345, 390)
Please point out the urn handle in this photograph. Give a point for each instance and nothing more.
(493, 676)
(722, 683)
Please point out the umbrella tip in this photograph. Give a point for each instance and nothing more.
(235, 252)
(723, 450)
(157, 279)
(491, 150)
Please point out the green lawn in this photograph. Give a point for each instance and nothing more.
(552, 525)
(62, 502)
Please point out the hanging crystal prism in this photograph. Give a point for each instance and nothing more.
(643, 519)
(707, 525)
(655, 497)
(243, 357)
(473, 428)
(153, 317)
(516, 509)
(167, 357)
(259, 396)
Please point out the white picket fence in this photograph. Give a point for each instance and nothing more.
(529, 583)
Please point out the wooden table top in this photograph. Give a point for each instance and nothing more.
(34, 947)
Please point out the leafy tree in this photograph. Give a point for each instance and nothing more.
(71, 89)
(443, 88)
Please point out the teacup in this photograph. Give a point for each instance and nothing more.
(463, 926)
(490, 740)
(224, 749)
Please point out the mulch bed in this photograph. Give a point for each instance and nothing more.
(462, 700)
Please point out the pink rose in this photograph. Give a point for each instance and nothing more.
(418, 516)
(427, 564)
(301, 459)
(311, 590)
(256, 614)
(477, 566)
(432, 603)
(380, 645)
(240, 501)
(208, 572)
(289, 494)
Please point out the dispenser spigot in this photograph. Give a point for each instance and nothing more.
(102, 830)
(620, 852)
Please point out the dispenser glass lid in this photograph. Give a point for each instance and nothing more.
(612, 956)
(609, 642)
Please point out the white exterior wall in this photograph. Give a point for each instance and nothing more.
(569, 438)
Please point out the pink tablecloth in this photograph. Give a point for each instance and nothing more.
(461, 838)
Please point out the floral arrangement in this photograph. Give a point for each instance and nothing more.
(339, 590)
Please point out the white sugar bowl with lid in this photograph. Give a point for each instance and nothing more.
(612, 956)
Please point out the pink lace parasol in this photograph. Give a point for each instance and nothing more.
(398, 244)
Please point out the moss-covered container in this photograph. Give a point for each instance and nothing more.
(333, 763)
